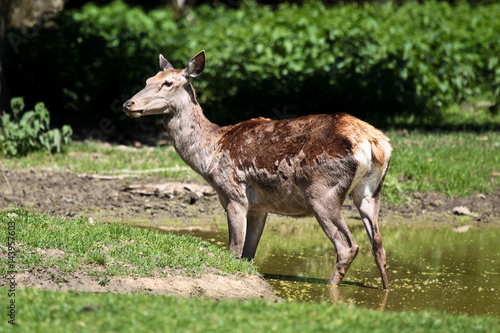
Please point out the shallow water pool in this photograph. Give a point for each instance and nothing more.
(430, 267)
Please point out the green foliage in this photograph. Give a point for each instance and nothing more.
(20, 135)
(384, 63)
(42, 311)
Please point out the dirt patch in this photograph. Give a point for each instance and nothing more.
(69, 195)
(480, 208)
(211, 285)
(151, 199)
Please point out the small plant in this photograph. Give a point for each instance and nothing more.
(20, 135)
(97, 257)
(104, 282)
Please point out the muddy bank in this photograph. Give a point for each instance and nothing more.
(110, 199)
(210, 285)
(70, 195)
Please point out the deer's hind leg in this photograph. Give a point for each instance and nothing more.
(328, 212)
(366, 197)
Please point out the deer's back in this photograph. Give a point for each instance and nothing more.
(263, 143)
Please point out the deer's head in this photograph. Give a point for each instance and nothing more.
(165, 90)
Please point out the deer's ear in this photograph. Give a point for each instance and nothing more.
(164, 64)
(196, 65)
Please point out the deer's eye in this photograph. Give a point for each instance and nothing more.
(168, 83)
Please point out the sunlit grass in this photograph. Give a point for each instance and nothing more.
(48, 311)
(94, 157)
(455, 164)
(118, 249)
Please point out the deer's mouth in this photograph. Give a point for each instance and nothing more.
(135, 113)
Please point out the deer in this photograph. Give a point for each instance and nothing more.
(299, 167)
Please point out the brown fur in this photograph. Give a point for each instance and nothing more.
(273, 141)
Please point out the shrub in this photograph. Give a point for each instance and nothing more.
(20, 135)
(381, 62)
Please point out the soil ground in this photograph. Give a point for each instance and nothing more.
(70, 195)
(120, 200)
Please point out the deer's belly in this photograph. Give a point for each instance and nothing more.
(284, 200)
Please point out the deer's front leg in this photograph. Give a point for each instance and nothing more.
(237, 224)
(255, 225)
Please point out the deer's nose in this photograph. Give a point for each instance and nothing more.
(128, 105)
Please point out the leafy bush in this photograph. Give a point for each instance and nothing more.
(381, 62)
(20, 135)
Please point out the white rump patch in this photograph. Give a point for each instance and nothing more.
(363, 156)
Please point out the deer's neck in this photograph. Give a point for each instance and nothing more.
(193, 136)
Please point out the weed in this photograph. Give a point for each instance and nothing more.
(104, 282)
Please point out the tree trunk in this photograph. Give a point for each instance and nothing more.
(4, 13)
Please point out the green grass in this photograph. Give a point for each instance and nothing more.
(95, 157)
(117, 249)
(47, 311)
(455, 164)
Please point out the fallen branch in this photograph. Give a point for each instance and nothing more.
(106, 177)
(126, 173)
(169, 189)
(176, 168)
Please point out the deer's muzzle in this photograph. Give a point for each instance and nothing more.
(128, 108)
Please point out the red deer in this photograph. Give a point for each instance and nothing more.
(296, 167)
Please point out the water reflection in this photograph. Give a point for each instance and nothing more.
(429, 267)
(336, 297)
